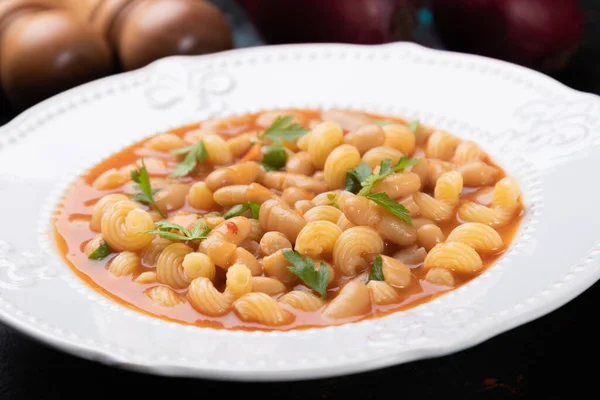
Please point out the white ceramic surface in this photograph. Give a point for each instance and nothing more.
(545, 134)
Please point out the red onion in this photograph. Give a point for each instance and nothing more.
(540, 34)
(346, 21)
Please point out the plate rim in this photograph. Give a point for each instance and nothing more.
(475, 336)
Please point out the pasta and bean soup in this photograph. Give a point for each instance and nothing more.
(287, 219)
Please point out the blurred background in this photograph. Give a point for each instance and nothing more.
(48, 46)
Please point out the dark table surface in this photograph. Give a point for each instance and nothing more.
(543, 359)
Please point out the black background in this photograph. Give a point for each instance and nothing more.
(554, 357)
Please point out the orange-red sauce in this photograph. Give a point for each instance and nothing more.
(72, 233)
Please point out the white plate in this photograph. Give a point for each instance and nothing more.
(542, 132)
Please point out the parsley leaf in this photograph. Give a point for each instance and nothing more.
(383, 200)
(238, 210)
(274, 158)
(413, 126)
(143, 185)
(381, 122)
(284, 129)
(165, 230)
(305, 269)
(331, 196)
(355, 176)
(196, 153)
(377, 269)
(102, 251)
(385, 170)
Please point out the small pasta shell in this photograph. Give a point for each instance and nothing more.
(339, 161)
(326, 198)
(399, 137)
(494, 217)
(101, 206)
(124, 263)
(395, 273)
(353, 246)
(302, 300)
(481, 237)
(449, 187)
(467, 152)
(455, 256)
(323, 213)
(382, 293)
(323, 139)
(435, 169)
(440, 276)
(152, 251)
(270, 286)
(196, 265)
(506, 193)
(353, 300)
(163, 296)
(432, 208)
(123, 226)
(207, 300)
(146, 277)
(169, 268)
(261, 308)
(441, 145)
(239, 280)
(93, 245)
(344, 223)
(317, 238)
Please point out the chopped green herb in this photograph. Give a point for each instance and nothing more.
(194, 154)
(377, 269)
(304, 268)
(283, 128)
(238, 210)
(165, 230)
(355, 176)
(385, 170)
(381, 122)
(143, 185)
(102, 251)
(274, 158)
(413, 126)
(331, 196)
(384, 201)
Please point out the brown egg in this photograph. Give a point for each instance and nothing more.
(45, 52)
(148, 30)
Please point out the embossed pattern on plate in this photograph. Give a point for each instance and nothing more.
(542, 132)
